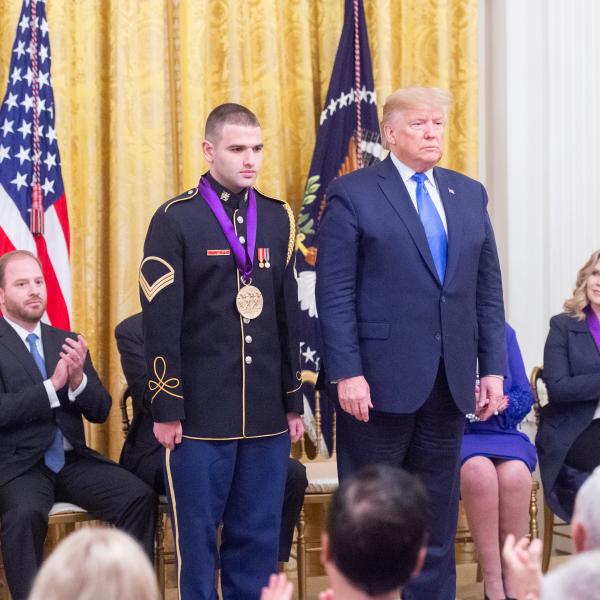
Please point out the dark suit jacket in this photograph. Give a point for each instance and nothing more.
(384, 313)
(572, 377)
(26, 419)
(141, 452)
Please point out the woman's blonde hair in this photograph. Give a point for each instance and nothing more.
(579, 300)
(96, 563)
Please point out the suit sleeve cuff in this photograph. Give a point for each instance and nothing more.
(52, 397)
(74, 393)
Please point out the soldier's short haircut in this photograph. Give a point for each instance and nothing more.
(376, 528)
(6, 258)
(228, 114)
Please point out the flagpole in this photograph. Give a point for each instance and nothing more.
(36, 221)
(357, 86)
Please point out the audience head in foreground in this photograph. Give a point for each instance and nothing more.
(577, 579)
(374, 540)
(524, 560)
(375, 536)
(96, 563)
(585, 526)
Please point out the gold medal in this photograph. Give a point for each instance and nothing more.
(249, 301)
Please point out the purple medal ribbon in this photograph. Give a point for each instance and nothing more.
(593, 324)
(243, 258)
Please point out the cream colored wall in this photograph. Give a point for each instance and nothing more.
(540, 130)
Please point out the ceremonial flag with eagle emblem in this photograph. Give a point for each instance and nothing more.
(348, 138)
(33, 207)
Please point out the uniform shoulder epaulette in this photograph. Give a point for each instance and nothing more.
(269, 197)
(292, 220)
(185, 196)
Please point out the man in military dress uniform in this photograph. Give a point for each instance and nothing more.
(219, 301)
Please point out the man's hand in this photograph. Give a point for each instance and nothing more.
(523, 566)
(295, 425)
(355, 397)
(74, 353)
(327, 595)
(491, 397)
(279, 588)
(59, 378)
(168, 433)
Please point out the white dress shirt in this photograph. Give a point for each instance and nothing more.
(411, 185)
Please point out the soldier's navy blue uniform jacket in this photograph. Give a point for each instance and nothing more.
(223, 376)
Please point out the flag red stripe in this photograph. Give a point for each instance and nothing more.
(56, 308)
(5, 244)
(60, 206)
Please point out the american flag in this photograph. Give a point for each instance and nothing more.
(26, 95)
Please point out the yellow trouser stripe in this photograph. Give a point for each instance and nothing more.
(174, 507)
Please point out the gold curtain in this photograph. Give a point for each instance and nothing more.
(135, 79)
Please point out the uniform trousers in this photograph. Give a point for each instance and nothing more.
(103, 488)
(239, 483)
(426, 443)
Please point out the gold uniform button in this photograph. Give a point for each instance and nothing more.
(248, 339)
(240, 219)
(246, 321)
(248, 360)
(242, 239)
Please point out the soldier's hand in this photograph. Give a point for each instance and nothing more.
(354, 395)
(168, 433)
(295, 425)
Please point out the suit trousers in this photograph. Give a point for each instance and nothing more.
(238, 483)
(426, 443)
(103, 488)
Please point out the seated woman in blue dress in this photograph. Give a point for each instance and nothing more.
(495, 476)
(568, 439)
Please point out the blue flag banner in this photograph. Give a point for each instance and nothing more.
(348, 138)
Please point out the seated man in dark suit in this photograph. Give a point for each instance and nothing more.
(47, 383)
(143, 455)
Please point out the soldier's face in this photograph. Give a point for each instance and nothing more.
(236, 157)
(23, 294)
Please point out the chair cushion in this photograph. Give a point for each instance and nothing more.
(322, 476)
(60, 508)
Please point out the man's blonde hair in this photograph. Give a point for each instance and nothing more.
(96, 563)
(414, 97)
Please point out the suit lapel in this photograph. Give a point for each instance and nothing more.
(453, 220)
(10, 339)
(395, 191)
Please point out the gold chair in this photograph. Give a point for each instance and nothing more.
(553, 526)
(321, 472)
(163, 557)
(63, 518)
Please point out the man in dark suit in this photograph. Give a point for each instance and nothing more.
(47, 383)
(409, 296)
(143, 455)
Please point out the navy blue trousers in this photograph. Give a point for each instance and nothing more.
(426, 443)
(239, 483)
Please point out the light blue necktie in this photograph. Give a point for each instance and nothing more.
(54, 457)
(433, 225)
